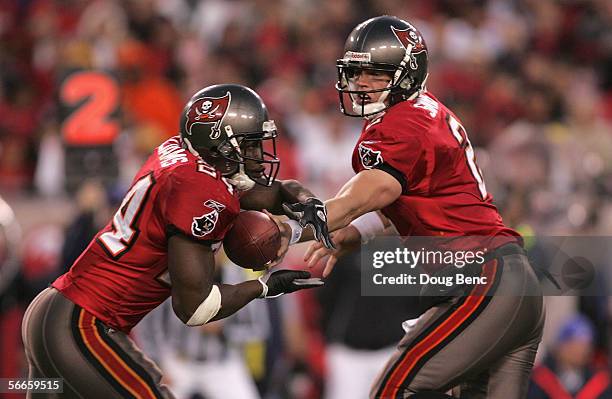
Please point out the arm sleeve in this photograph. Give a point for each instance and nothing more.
(193, 207)
(399, 176)
(402, 156)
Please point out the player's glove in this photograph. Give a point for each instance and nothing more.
(286, 281)
(311, 213)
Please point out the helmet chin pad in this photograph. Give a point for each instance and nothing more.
(369, 109)
(372, 109)
(241, 181)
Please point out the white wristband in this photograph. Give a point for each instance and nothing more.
(296, 231)
(368, 225)
(264, 290)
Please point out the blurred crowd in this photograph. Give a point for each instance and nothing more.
(531, 81)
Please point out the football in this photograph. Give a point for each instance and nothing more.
(253, 240)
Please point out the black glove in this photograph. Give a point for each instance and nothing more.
(311, 213)
(286, 281)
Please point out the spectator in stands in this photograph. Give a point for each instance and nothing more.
(93, 212)
(567, 373)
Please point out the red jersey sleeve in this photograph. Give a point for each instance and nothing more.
(197, 205)
(403, 156)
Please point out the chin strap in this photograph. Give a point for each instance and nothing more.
(190, 147)
(241, 180)
(372, 109)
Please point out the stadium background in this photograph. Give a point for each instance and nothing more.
(530, 79)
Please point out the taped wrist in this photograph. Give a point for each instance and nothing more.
(368, 225)
(296, 231)
(265, 293)
(264, 290)
(207, 309)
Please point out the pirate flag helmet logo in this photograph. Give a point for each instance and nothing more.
(208, 110)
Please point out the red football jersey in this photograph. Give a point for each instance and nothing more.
(423, 144)
(123, 275)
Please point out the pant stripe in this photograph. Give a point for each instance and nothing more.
(130, 362)
(424, 334)
(106, 357)
(115, 368)
(439, 334)
(93, 359)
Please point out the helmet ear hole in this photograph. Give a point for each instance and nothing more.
(406, 83)
(225, 149)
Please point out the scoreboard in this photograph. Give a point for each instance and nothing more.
(89, 104)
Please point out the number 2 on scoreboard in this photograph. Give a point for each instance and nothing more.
(92, 122)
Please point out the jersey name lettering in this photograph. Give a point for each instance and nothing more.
(170, 153)
(427, 104)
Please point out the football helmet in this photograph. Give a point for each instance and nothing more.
(384, 44)
(227, 125)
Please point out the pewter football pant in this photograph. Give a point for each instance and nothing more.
(485, 342)
(62, 340)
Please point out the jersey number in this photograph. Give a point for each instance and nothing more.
(124, 227)
(461, 136)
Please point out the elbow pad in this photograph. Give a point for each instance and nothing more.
(207, 309)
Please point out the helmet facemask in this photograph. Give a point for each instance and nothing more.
(361, 104)
(400, 87)
(246, 151)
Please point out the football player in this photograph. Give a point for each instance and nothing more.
(161, 243)
(414, 163)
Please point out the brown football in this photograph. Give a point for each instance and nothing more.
(253, 241)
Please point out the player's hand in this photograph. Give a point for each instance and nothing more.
(311, 213)
(285, 232)
(346, 240)
(286, 281)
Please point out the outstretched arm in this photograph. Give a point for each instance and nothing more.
(271, 198)
(196, 300)
(348, 239)
(367, 191)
